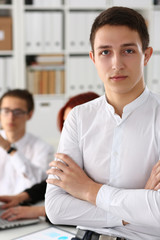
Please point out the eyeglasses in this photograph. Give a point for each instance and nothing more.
(16, 112)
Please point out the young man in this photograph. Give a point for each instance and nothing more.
(24, 158)
(112, 143)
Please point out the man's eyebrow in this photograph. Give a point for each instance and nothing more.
(129, 44)
(104, 46)
(123, 45)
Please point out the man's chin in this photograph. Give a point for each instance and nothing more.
(10, 129)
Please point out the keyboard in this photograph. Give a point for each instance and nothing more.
(4, 224)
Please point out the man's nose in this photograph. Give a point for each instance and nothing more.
(117, 62)
(11, 114)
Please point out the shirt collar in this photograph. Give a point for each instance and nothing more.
(129, 108)
(20, 142)
(137, 102)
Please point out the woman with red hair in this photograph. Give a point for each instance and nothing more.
(71, 103)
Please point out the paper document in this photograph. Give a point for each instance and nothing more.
(51, 233)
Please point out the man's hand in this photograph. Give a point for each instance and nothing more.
(73, 179)
(11, 201)
(153, 182)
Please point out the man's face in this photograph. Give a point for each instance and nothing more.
(119, 59)
(11, 122)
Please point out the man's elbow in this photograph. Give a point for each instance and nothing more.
(54, 218)
(54, 211)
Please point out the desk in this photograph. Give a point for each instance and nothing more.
(13, 233)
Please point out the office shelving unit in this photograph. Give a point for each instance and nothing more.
(7, 52)
(154, 69)
(73, 51)
(72, 28)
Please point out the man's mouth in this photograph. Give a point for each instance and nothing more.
(118, 77)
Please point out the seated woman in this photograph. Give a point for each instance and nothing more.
(37, 192)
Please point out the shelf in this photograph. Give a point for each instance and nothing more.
(156, 7)
(6, 7)
(6, 53)
(49, 96)
(85, 8)
(35, 8)
(44, 53)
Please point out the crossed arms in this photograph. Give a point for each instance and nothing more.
(121, 203)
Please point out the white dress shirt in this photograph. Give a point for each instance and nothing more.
(26, 166)
(120, 153)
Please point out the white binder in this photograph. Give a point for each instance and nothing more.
(88, 3)
(72, 31)
(34, 32)
(37, 31)
(90, 17)
(154, 83)
(47, 3)
(28, 31)
(56, 31)
(81, 34)
(47, 41)
(2, 75)
(133, 3)
(10, 80)
(156, 32)
(73, 76)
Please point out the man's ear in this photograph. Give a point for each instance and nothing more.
(91, 54)
(147, 55)
(30, 115)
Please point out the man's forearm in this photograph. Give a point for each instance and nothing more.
(138, 206)
(62, 208)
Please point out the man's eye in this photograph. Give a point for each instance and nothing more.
(106, 52)
(129, 51)
(6, 110)
(17, 112)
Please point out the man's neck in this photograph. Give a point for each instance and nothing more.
(14, 137)
(119, 101)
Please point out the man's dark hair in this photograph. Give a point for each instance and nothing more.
(121, 16)
(22, 94)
